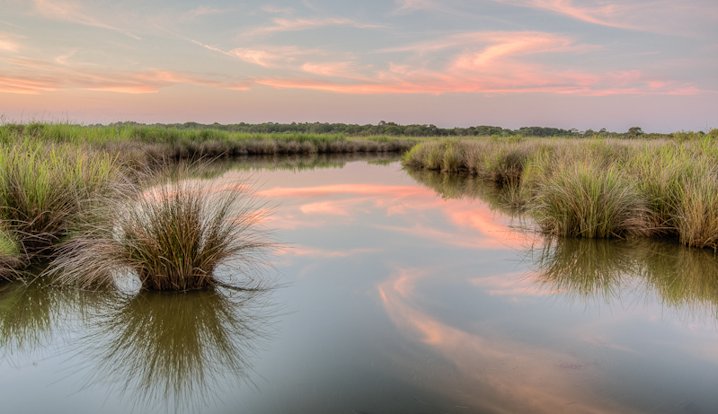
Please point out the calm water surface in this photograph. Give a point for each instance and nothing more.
(393, 294)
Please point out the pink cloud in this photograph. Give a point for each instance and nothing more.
(482, 62)
(54, 76)
(25, 86)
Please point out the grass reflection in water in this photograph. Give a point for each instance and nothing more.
(681, 277)
(164, 349)
(30, 313)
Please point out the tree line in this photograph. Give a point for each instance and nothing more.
(412, 130)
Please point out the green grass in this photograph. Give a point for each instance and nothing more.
(172, 237)
(583, 200)
(143, 145)
(44, 189)
(9, 256)
(595, 188)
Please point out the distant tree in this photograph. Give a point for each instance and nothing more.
(634, 131)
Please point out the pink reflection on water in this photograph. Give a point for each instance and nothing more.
(513, 285)
(487, 370)
(414, 209)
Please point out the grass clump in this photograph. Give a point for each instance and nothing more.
(585, 201)
(597, 187)
(9, 256)
(172, 237)
(44, 189)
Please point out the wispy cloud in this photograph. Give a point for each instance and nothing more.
(73, 13)
(25, 85)
(272, 9)
(202, 11)
(659, 16)
(8, 43)
(51, 76)
(279, 25)
(601, 13)
(482, 62)
(406, 6)
(267, 56)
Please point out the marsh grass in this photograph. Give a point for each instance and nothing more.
(583, 200)
(147, 144)
(45, 189)
(595, 188)
(10, 258)
(173, 237)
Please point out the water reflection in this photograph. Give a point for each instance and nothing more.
(586, 267)
(486, 370)
(604, 269)
(681, 277)
(293, 162)
(177, 350)
(456, 186)
(31, 313)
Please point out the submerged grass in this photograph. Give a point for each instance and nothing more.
(595, 188)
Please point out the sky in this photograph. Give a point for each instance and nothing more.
(585, 64)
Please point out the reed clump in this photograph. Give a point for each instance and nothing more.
(171, 237)
(597, 187)
(10, 259)
(46, 189)
(582, 200)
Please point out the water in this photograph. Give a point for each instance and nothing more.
(390, 293)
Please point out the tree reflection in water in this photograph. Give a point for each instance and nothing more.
(177, 349)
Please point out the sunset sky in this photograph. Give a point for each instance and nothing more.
(563, 63)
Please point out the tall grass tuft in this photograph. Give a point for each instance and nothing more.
(583, 200)
(697, 214)
(10, 259)
(44, 189)
(172, 237)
